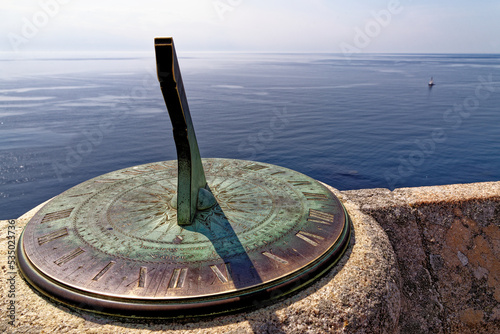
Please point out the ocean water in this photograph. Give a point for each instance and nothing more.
(361, 122)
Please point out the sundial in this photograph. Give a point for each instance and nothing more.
(188, 237)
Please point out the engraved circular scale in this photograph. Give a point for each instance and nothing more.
(191, 237)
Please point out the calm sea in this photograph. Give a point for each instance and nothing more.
(364, 122)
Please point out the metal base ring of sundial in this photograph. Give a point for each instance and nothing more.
(112, 245)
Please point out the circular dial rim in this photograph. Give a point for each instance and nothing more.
(231, 292)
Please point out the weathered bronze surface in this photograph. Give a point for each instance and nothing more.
(114, 240)
(191, 176)
(155, 241)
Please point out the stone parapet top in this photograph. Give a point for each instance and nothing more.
(382, 197)
(447, 241)
(361, 294)
(421, 260)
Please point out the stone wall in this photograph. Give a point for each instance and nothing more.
(361, 294)
(421, 260)
(447, 243)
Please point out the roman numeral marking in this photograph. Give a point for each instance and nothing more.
(223, 279)
(143, 273)
(103, 271)
(315, 197)
(299, 183)
(316, 216)
(255, 167)
(280, 172)
(177, 279)
(307, 237)
(275, 258)
(52, 236)
(56, 215)
(70, 256)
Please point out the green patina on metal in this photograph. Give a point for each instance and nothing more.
(183, 238)
(191, 175)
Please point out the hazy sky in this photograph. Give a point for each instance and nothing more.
(425, 26)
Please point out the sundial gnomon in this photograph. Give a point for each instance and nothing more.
(187, 237)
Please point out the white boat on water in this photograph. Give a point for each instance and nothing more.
(431, 83)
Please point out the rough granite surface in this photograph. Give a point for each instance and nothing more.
(361, 294)
(447, 241)
(440, 273)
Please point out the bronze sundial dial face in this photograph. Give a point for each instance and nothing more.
(115, 238)
(129, 243)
